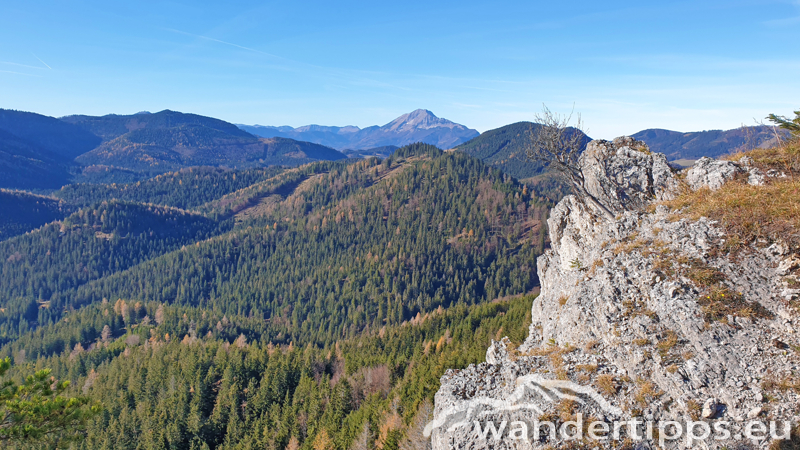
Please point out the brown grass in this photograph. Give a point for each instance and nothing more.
(606, 384)
(793, 443)
(646, 393)
(694, 409)
(719, 302)
(716, 300)
(566, 409)
(785, 384)
(590, 346)
(749, 213)
(703, 275)
(667, 342)
(785, 158)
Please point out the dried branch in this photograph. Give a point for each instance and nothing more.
(559, 146)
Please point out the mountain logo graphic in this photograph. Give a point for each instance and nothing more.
(547, 390)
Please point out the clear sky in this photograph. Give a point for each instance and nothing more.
(625, 65)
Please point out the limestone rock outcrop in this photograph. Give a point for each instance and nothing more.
(633, 321)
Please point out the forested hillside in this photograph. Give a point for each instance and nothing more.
(202, 305)
(711, 143)
(24, 212)
(44, 153)
(506, 149)
(186, 188)
(59, 138)
(159, 150)
(25, 165)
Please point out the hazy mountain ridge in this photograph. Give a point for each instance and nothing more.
(28, 166)
(163, 149)
(504, 147)
(41, 152)
(712, 143)
(112, 126)
(62, 139)
(420, 125)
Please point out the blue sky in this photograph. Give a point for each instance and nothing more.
(625, 65)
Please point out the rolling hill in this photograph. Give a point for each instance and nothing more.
(25, 165)
(504, 148)
(111, 126)
(159, 150)
(327, 290)
(23, 212)
(61, 139)
(40, 152)
(694, 145)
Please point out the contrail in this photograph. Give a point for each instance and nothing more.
(21, 65)
(221, 42)
(20, 73)
(40, 60)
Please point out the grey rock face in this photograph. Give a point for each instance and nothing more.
(497, 352)
(619, 315)
(712, 173)
(623, 174)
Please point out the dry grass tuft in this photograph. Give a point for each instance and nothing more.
(783, 159)
(667, 342)
(646, 393)
(606, 384)
(703, 275)
(694, 409)
(784, 384)
(749, 213)
(793, 443)
(720, 302)
(591, 345)
(566, 409)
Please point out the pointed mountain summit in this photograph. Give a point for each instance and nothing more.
(421, 119)
(420, 125)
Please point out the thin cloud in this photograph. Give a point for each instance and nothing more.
(783, 22)
(40, 60)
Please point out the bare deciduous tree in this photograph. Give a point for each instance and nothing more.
(559, 145)
(364, 439)
(106, 333)
(160, 314)
(415, 438)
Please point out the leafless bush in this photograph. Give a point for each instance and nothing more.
(559, 146)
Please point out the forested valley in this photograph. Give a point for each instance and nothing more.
(313, 307)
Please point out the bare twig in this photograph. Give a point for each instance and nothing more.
(559, 146)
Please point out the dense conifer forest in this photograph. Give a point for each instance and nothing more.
(314, 307)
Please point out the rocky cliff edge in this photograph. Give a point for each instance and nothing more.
(647, 317)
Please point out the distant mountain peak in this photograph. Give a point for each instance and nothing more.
(419, 125)
(420, 119)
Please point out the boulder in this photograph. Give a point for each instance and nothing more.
(711, 173)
